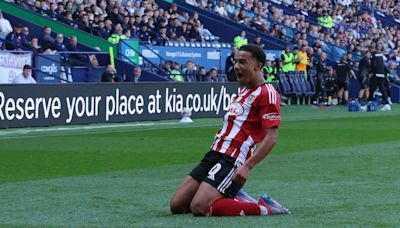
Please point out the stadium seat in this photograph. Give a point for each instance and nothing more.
(286, 88)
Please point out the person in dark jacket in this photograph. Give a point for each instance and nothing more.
(364, 69)
(377, 79)
(343, 72)
(47, 40)
(229, 64)
(15, 39)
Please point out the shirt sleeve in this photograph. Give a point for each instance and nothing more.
(269, 109)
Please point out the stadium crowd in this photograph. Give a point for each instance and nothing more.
(340, 23)
(112, 20)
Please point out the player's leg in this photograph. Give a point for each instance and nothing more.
(340, 92)
(215, 194)
(366, 91)
(273, 205)
(346, 93)
(243, 196)
(180, 202)
(373, 84)
(205, 196)
(361, 94)
(209, 201)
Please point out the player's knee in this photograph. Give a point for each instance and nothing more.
(198, 209)
(176, 207)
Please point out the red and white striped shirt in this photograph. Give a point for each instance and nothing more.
(249, 113)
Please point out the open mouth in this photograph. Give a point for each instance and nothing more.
(239, 75)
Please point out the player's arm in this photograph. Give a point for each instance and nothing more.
(266, 145)
(264, 148)
(269, 111)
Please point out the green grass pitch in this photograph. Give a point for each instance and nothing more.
(330, 168)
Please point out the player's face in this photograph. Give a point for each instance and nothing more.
(247, 69)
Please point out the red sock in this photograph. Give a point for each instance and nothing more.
(230, 207)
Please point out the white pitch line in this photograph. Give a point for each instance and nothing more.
(96, 129)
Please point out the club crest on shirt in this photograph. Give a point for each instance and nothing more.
(236, 109)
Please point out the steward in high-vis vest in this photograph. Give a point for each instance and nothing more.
(287, 59)
(296, 58)
(270, 72)
(117, 36)
(326, 21)
(240, 40)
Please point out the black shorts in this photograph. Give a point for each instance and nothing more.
(343, 85)
(217, 169)
(364, 83)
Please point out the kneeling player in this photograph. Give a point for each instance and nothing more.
(253, 117)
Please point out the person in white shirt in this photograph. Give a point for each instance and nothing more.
(5, 26)
(220, 9)
(25, 77)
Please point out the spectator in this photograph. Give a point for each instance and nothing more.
(296, 59)
(195, 34)
(202, 74)
(110, 75)
(240, 39)
(76, 59)
(115, 17)
(128, 34)
(257, 41)
(85, 24)
(70, 21)
(326, 21)
(144, 34)
(34, 45)
(137, 73)
(25, 77)
(47, 40)
(175, 74)
(189, 67)
(25, 33)
(229, 65)
(15, 40)
(108, 28)
(166, 68)
(287, 59)
(302, 65)
(5, 26)
(59, 44)
(162, 37)
(270, 72)
(220, 9)
(117, 36)
(126, 23)
(212, 76)
(174, 27)
(60, 11)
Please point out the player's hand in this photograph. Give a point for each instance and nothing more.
(241, 174)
